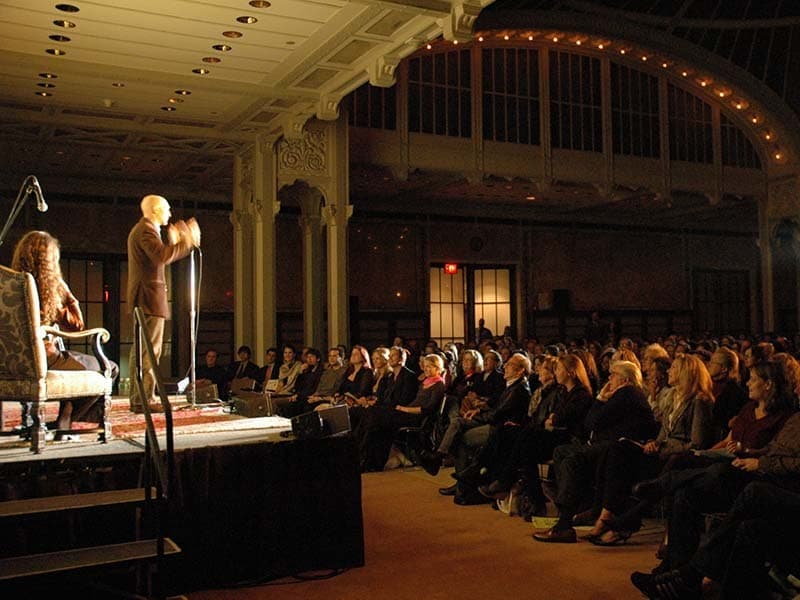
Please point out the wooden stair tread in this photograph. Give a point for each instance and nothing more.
(80, 558)
(30, 506)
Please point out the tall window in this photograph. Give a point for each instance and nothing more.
(439, 100)
(575, 102)
(511, 95)
(85, 279)
(737, 149)
(690, 127)
(448, 293)
(470, 294)
(100, 284)
(634, 112)
(492, 298)
(374, 107)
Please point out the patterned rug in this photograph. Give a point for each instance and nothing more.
(185, 418)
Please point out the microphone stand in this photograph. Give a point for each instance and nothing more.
(193, 326)
(24, 191)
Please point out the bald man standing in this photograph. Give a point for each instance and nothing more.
(147, 286)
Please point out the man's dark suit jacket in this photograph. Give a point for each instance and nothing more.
(401, 389)
(512, 405)
(250, 370)
(147, 257)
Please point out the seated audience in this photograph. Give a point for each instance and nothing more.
(305, 385)
(358, 378)
(270, 369)
(382, 422)
(730, 396)
(212, 373)
(534, 443)
(688, 426)
(761, 529)
(714, 488)
(620, 410)
(510, 406)
(289, 371)
(659, 392)
(330, 380)
(242, 368)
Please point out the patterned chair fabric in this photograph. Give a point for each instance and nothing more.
(23, 364)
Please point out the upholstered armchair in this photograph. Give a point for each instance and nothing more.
(24, 376)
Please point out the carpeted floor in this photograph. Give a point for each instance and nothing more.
(420, 545)
(186, 418)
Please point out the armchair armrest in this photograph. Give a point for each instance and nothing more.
(98, 336)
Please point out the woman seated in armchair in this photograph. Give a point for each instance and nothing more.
(39, 253)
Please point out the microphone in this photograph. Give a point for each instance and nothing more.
(36, 189)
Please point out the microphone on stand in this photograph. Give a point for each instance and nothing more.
(36, 189)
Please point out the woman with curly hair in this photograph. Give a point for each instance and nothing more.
(39, 253)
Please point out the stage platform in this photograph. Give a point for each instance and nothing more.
(249, 504)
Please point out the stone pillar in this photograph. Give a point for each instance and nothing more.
(242, 251)
(310, 201)
(765, 247)
(319, 156)
(337, 213)
(265, 206)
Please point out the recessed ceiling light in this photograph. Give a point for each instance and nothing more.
(168, 108)
(175, 100)
(64, 23)
(201, 71)
(232, 34)
(260, 3)
(43, 94)
(48, 75)
(67, 8)
(211, 59)
(60, 38)
(56, 51)
(222, 47)
(183, 92)
(126, 158)
(46, 85)
(118, 84)
(247, 20)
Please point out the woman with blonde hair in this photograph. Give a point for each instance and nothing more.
(382, 422)
(689, 425)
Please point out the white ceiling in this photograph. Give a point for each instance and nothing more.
(297, 60)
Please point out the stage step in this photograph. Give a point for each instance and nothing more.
(81, 558)
(48, 504)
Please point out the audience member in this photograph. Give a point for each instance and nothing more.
(620, 410)
(212, 373)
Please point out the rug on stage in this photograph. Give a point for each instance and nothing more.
(185, 418)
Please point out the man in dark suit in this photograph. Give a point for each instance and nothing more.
(510, 406)
(212, 373)
(147, 287)
(243, 368)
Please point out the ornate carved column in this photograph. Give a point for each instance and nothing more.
(242, 249)
(265, 207)
(310, 201)
(320, 157)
